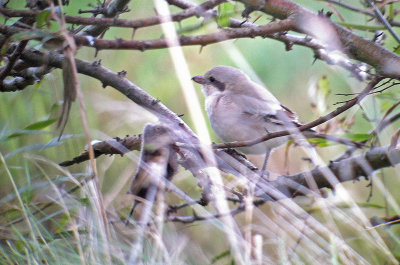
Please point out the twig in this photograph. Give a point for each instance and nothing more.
(383, 20)
(125, 23)
(386, 62)
(13, 59)
(203, 40)
(348, 169)
(352, 8)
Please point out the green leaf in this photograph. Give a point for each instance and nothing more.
(43, 19)
(52, 143)
(388, 96)
(27, 35)
(362, 27)
(323, 86)
(391, 12)
(370, 205)
(4, 48)
(54, 108)
(32, 128)
(320, 142)
(357, 137)
(225, 11)
(224, 254)
(84, 201)
(63, 221)
(49, 40)
(386, 105)
(322, 93)
(40, 124)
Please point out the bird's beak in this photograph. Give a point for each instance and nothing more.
(199, 79)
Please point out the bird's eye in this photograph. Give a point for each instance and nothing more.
(212, 79)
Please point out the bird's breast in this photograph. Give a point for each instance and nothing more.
(231, 123)
(226, 118)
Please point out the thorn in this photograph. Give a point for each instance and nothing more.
(155, 101)
(122, 73)
(257, 18)
(244, 21)
(288, 46)
(315, 59)
(133, 33)
(96, 63)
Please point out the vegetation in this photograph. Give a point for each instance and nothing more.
(74, 72)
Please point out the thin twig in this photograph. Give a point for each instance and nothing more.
(383, 20)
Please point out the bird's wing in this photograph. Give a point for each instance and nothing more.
(266, 110)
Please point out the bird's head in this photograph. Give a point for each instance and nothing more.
(222, 79)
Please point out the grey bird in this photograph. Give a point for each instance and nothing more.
(240, 109)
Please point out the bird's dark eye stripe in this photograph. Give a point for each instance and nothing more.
(219, 85)
(212, 79)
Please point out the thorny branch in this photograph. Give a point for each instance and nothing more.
(292, 17)
(294, 185)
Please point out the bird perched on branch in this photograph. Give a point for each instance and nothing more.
(240, 109)
(157, 161)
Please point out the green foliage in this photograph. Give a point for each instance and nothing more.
(221, 256)
(362, 27)
(32, 128)
(71, 230)
(43, 19)
(225, 12)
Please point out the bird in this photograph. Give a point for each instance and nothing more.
(157, 161)
(239, 109)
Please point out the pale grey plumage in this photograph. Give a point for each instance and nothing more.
(240, 109)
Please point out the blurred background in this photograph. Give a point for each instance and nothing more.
(307, 86)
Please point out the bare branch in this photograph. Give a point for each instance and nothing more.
(12, 60)
(386, 62)
(383, 20)
(108, 147)
(125, 23)
(290, 186)
(203, 40)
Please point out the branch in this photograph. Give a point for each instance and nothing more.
(26, 78)
(351, 168)
(359, 10)
(116, 7)
(20, 83)
(197, 10)
(239, 32)
(386, 62)
(108, 147)
(383, 20)
(13, 59)
(203, 40)
(290, 186)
